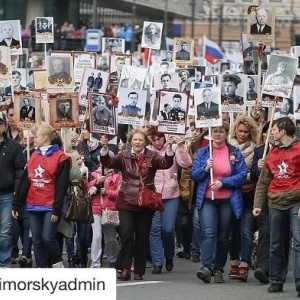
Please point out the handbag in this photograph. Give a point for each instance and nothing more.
(150, 199)
(79, 206)
(110, 217)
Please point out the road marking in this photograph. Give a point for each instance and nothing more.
(137, 283)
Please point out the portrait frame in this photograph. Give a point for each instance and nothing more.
(5, 65)
(98, 128)
(133, 77)
(163, 55)
(16, 43)
(26, 118)
(203, 118)
(285, 83)
(40, 80)
(127, 118)
(167, 125)
(71, 118)
(252, 95)
(150, 40)
(82, 60)
(60, 84)
(240, 95)
(113, 45)
(174, 83)
(87, 84)
(114, 78)
(268, 34)
(44, 35)
(177, 55)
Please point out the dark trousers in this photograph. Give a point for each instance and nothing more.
(134, 231)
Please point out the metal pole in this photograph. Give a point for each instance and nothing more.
(193, 18)
(221, 24)
(133, 25)
(210, 20)
(94, 18)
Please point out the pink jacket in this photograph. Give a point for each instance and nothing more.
(111, 184)
(165, 181)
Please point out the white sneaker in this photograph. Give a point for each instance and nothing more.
(58, 265)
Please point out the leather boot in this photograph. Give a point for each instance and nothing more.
(125, 275)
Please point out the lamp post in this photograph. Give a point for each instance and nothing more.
(94, 19)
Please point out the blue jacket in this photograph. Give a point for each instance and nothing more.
(234, 182)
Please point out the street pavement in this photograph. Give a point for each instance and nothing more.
(182, 283)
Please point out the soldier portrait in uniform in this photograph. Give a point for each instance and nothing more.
(44, 30)
(64, 110)
(131, 108)
(165, 81)
(102, 113)
(152, 33)
(172, 111)
(183, 50)
(116, 64)
(280, 76)
(27, 111)
(112, 45)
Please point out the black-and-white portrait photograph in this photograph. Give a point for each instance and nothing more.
(60, 73)
(82, 113)
(252, 83)
(200, 71)
(208, 107)
(186, 77)
(18, 80)
(10, 36)
(132, 106)
(93, 81)
(166, 81)
(296, 51)
(111, 45)
(28, 109)
(102, 113)
(132, 77)
(83, 60)
(166, 55)
(44, 30)
(4, 65)
(30, 80)
(264, 61)
(211, 79)
(172, 115)
(164, 67)
(152, 33)
(224, 68)
(261, 24)
(280, 76)
(183, 50)
(249, 67)
(116, 64)
(233, 98)
(285, 108)
(64, 110)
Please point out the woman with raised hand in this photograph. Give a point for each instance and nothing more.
(135, 221)
(44, 188)
(218, 200)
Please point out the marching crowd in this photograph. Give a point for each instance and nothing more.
(247, 192)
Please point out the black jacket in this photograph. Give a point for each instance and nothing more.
(12, 165)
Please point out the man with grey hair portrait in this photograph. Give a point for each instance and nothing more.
(7, 31)
(261, 26)
(59, 67)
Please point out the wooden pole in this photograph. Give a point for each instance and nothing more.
(210, 156)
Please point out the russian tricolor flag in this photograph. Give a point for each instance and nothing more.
(211, 50)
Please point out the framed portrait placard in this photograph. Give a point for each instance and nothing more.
(27, 106)
(40, 80)
(59, 74)
(10, 36)
(183, 50)
(261, 24)
(83, 60)
(133, 77)
(172, 115)
(116, 64)
(113, 45)
(280, 76)
(102, 113)
(5, 65)
(64, 110)
(132, 106)
(251, 89)
(93, 81)
(233, 93)
(152, 33)
(44, 30)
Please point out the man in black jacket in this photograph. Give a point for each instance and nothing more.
(12, 164)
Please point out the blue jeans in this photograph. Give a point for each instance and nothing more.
(44, 240)
(242, 235)
(162, 234)
(215, 221)
(197, 233)
(6, 220)
(280, 220)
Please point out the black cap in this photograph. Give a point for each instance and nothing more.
(232, 77)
